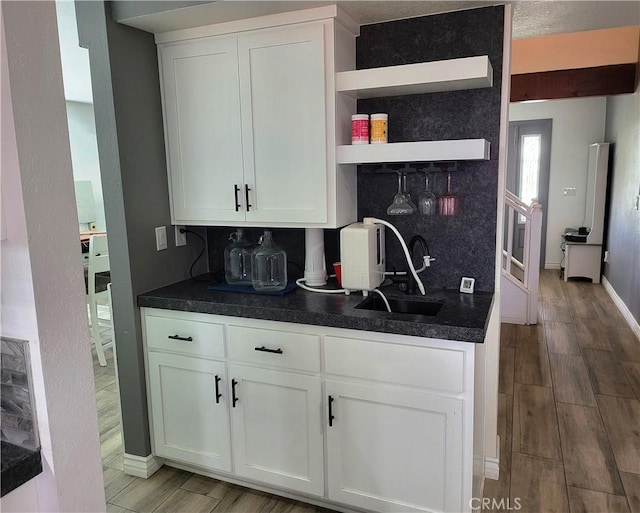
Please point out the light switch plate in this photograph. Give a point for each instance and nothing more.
(569, 191)
(161, 238)
(181, 238)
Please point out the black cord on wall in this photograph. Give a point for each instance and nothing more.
(204, 247)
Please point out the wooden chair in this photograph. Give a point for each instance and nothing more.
(99, 317)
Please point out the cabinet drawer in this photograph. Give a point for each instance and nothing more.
(283, 349)
(437, 369)
(173, 334)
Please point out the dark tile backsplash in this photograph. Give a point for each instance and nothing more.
(463, 245)
(17, 409)
(289, 239)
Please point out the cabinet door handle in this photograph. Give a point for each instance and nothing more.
(234, 399)
(331, 417)
(178, 337)
(218, 394)
(236, 190)
(267, 350)
(246, 196)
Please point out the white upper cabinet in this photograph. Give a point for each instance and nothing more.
(202, 128)
(283, 124)
(250, 126)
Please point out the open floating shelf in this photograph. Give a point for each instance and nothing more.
(424, 77)
(423, 151)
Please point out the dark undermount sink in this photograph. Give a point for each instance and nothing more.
(415, 306)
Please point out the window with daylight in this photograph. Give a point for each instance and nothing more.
(529, 168)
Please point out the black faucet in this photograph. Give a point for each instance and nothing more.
(411, 281)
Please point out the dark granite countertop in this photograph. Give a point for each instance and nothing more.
(19, 465)
(462, 317)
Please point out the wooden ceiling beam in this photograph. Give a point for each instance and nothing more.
(574, 83)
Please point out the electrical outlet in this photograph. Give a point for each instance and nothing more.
(181, 238)
(606, 257)
(161, 238)
(569, 191)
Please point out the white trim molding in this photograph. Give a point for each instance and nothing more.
(552, 265)
(626, 313)
(491, 464)
(514, 319)
(491, 468)
(141, 466)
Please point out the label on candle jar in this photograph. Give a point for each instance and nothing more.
(360, 129)
(379, 128)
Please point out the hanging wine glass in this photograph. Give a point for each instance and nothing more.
(427, 202)
(400, 205)
(449, 204)
(407, 195)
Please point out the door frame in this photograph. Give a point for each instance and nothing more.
(516, 130)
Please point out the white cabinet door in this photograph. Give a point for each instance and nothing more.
(189, 410)
(392, 449)
(202, 127)
(282, 83)
(277, 428)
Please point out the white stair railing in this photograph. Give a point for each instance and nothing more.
(525, 273)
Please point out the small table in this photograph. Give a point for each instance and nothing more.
(86, 235)
(583, 260)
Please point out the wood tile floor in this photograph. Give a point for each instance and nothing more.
(569, 422)
(569, 410)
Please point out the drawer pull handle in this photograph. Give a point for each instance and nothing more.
(331, 417)
(178, 337)
(234, 398)
(267, 350)
(218, 394)
(236, 190)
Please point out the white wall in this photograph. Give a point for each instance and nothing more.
(576, 124)
(84, 152)
(43, 297)
(75, 60)
(623, 240)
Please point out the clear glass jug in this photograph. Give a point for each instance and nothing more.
(269, 265)
(237, 259)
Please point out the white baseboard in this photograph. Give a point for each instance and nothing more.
(552, 265)
(141, 466)
(513, 319)
(491, 468)
(492, 465)
(626, 313)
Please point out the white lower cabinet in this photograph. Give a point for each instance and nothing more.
(189, 410)
(277, 430)
(393, 449)
(372, 421)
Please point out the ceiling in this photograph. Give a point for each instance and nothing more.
(530, 18)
